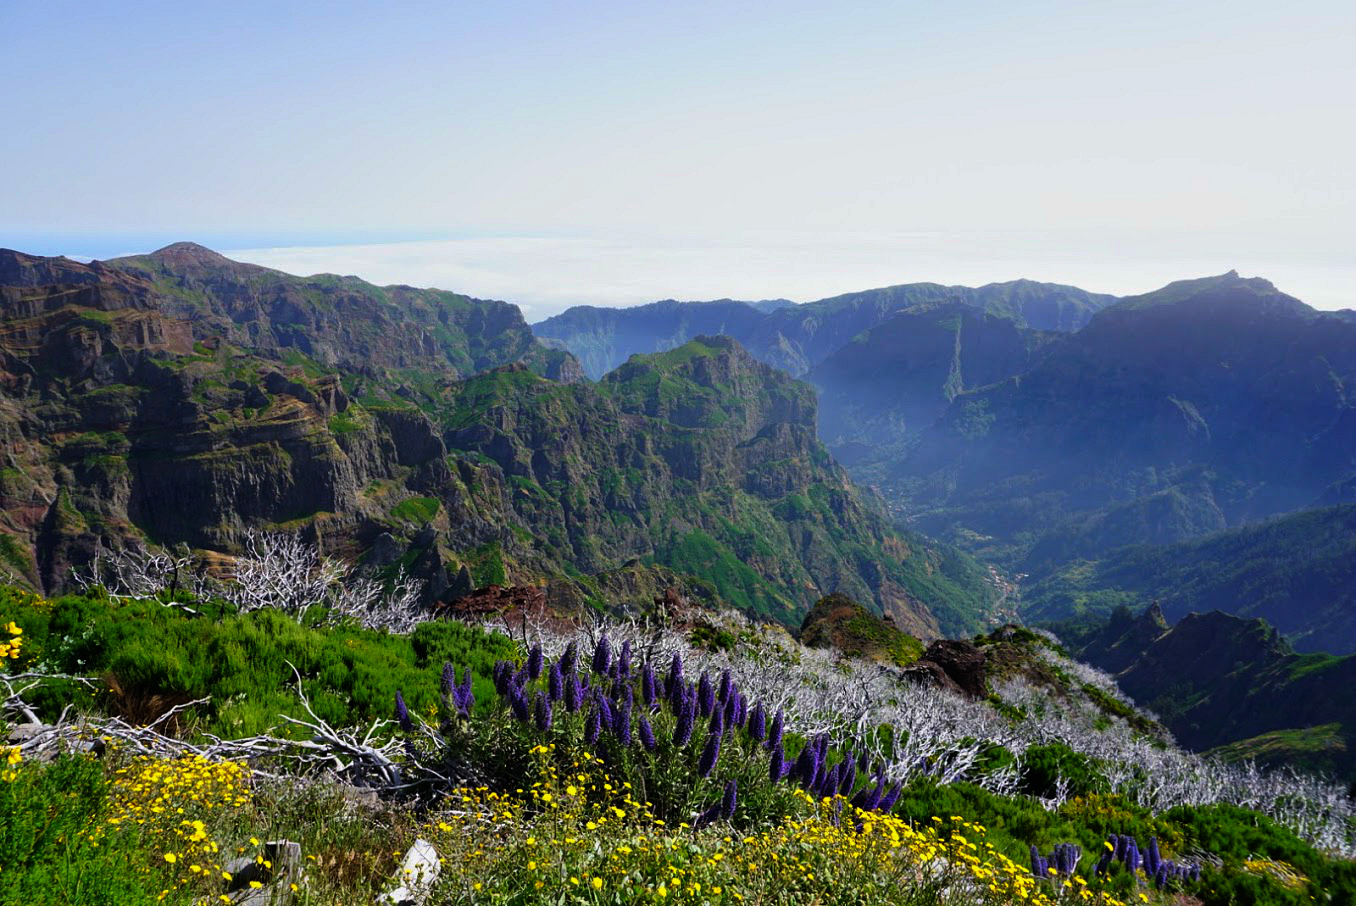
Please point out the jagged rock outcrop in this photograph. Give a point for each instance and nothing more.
(952, 664)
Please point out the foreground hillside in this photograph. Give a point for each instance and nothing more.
(697, 759)
(180, 398)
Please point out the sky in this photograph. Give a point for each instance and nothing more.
(613, 153)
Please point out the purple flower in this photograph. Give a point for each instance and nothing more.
(774, 736)
(555, 683)
(647, 686)
(707, 763)
(604, 707)
(804, 769)
(888, 801)
(646, 734)
(1038, 864)
(728, 712)
(758, 723)
(624, 659)
(542, 712)
(675, 677)
(593, 726)
(829, 785)
(464, 698)
(568, 659)
(621, 721)
(706, 695)
(777, 764)
(449, 677)
(402, 714)
(518, 702)
(706, 817)
(730, 801)
(535, 661)
(574, 692)
(1152, 858)
(717, 722)
(848, 779)
(726, 682)
(602, 656)
(503, 676)
(687, 717)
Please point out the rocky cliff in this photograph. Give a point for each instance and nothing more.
(181, 398)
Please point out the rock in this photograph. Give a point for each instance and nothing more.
(417, 876)
(277, 877)
(951, 664)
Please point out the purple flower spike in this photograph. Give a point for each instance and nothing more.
(518, 702)
(682, 730)
(535, 660)
(621, 721)
(593, 727)
(449, 677)
(624, 659)
(707, 763)
(402, 714)
(706, 695)
(542, 712)
(888, 801)
(777, 764)
(729, 801)
(464, 698)
(646, 733)
(847, 779)
(647, 686)
(758, 723)
(706, 817)
(602, 656)
(774, 736)
(674, 680)
(555, 683)
(568, 659)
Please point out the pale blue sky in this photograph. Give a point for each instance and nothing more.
(701, 149)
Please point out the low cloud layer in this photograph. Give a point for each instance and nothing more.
(547, 275)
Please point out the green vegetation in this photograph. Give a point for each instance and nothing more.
(153, 657)
(416, 509)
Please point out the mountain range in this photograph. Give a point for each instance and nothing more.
(1036, 424)
(180, 398)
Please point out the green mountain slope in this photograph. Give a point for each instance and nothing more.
(1204, 405)
(1297, 572)
(1222, 681)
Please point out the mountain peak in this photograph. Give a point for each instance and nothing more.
(189, 252)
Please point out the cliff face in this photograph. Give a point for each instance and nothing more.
(181, 398)
(700, 459)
